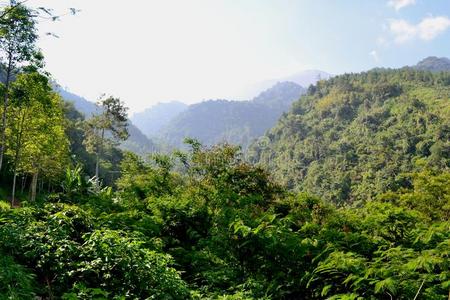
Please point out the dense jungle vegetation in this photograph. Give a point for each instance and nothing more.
(82, 219)
(353, 137)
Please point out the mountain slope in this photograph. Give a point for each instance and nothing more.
(433, 64)
(86, 107)
(153, 119)
(353, 135)
(236, 122)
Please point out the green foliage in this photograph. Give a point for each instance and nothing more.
(36, 141)
(206, 224)
(106, 128)
(61, 245)
(74, 183)
(140, 179)
(4, 206)
(123, 267)
(223, 229)
(351, 136)
(234, 233)
(17, 281)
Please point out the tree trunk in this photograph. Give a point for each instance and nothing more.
(13, 196)
(34, 182)
(99, 151)
(22, 186)
(97, 165)
(5, 109)
(17, 156)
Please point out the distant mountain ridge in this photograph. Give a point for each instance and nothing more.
(236, 122)
(303, 78)
(86, 107)
(153, 119)
(159, 120)
(433, 64)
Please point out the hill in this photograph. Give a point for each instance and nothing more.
(236, 122)
(433, 64)
(352, 136)
(153, 119)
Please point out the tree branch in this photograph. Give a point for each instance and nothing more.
(11, 8)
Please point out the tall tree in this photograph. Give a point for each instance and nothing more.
(36, 140)
(109, 127)
(18, 36)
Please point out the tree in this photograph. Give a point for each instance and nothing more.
(108, 127)
(18, 36)
(36, 140)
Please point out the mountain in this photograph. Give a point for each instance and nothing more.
(137, 142)
(81, 104)
(236, 122)
(352, 136)
(433, 64)
(303, 78)
(152, 120)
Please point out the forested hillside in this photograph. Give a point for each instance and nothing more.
(236, 122)
(353, 136)
(349, 198)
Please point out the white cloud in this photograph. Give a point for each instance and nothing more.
(428, 29)
(374, 55)
(402, 30)
(431, 27)
(399, 4)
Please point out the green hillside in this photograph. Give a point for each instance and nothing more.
(352, 136)
(236, 122)
(348, 197)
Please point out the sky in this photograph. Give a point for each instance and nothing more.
(150, 51)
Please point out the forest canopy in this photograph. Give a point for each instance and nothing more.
(347, 197)
(354, 136)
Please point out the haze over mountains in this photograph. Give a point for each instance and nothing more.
(245, 184)
(433, 64)
(152, 120)
(215, 121)
(235, 122)
(302, 78)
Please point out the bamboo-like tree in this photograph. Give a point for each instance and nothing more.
(107, 128)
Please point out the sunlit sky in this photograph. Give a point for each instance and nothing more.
(149, 51)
